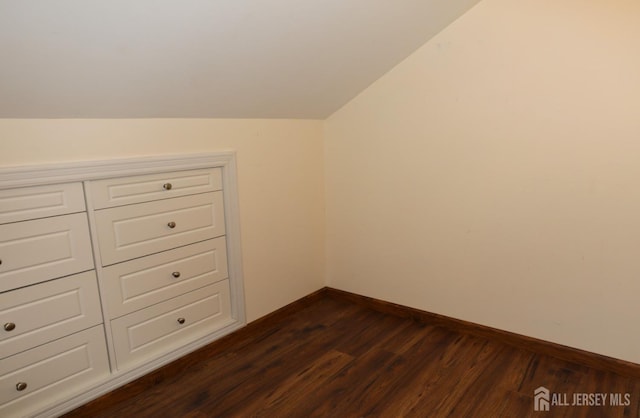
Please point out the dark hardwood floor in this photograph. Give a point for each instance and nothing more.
(334, 358)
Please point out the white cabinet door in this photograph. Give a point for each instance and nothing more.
(40, 201)
(127, 232)
(43, 249)
(156, 330)
(142, 282)
(137, 189)
(37, 377)
(37, 314)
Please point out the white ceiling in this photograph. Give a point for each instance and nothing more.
(204, 58)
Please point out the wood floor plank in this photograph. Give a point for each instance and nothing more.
(334, 358)
(459, 380)
(366, 329)
(442, 382)
(517, 405)
(331, 400)
(487, 393)
(296, 388)
(421, 352)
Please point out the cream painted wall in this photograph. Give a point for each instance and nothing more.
(493, 175)
(280, 175)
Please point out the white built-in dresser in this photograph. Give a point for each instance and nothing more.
(110, 269)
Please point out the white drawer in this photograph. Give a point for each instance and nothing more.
(156, 330)
(52, 371)
(127, 190)
(40, 202)
(43, 249)
(139, 283)
(133, 231)
(37, 314)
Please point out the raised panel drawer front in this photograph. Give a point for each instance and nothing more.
(40, 201)
(35, 378)
(139, 283)
(37, 314)
(168, 325)
(127, 190)
(133, 231)
(39, 250)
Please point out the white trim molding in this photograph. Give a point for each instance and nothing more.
(31, 175)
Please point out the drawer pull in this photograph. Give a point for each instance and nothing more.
(9, 326)
(181, 321)
(176, 274)
(167, 186)
(20, 386)
(171, 224)
(0, 262)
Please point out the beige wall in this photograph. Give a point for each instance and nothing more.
(280, 177)
(493, 175)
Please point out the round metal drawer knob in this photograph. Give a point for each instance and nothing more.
(181, 321)
(167, 186)
(9, 326)
(171, 225)
(20, 386)
(176, 274)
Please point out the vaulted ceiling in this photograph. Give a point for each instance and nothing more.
(204, 58)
